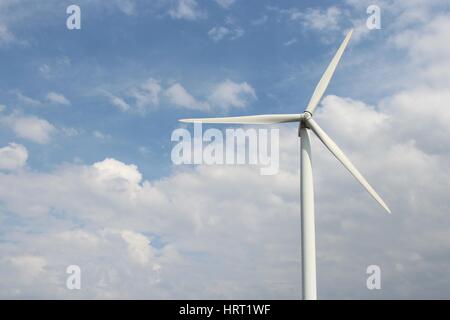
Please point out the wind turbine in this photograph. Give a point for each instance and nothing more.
(306, 123)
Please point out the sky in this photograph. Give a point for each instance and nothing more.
(86, 177)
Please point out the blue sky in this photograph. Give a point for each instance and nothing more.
(116, 51)
(86, 177)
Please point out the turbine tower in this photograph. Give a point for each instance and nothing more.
(307, 123)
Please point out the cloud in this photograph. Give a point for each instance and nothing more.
(318, 19)
(112, 170)
(178, 96)
(57, 98)
(139, 247)
(224, 95)
(290, 42)
(218, 33)
(56, 68)
(118, 102)
(229, 94)
(13, 157)
(2, 107)
(186, 9)
(260, 21)
(30, 127)
(27, 100)
(147, 95)
(100, 135)
(127, 6)
(30, 266)
(6, 37)
(100, 197)
(225, 3)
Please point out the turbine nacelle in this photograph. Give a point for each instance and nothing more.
(303, 122)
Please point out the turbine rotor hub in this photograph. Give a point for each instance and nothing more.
(307, 115)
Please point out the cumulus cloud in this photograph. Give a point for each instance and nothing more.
(111, 170)
(218, 33)
(147, 95)
(138, 247)
(178, 96)
(116, 101)
(57, 98)
(27, 100)
(186, 9)
(30, 266)
(225, 3)
(29, 127)
(100, 135)
(318, 19)
(139, 99)
(12, 157)
(7, 37)
(127, 6)
(229, 94)
(290, 42)
(111, 196)
(222, 96)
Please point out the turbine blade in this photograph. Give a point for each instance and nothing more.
(337, 152)
(326, 77)
(258, 119)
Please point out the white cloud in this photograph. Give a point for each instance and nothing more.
(178, 96)
(27, 100)
(30, 127)
(70, 132)
(118, 102)
(229, 94)
(56, 68)
(147, 95)
(31, 266)
(218, 33)
(143, 150)
(45, 70)
(318, 19)
(224, 95)
(112, 170)
(225, 3)
(6, 37)
(260, 21)
(57, 98)
(138, 247)
(186, 9)
(100, 135)
(291, 42)
(13, 157)
(127, 6)
(2, 107)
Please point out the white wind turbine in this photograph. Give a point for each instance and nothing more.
(306, 123)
